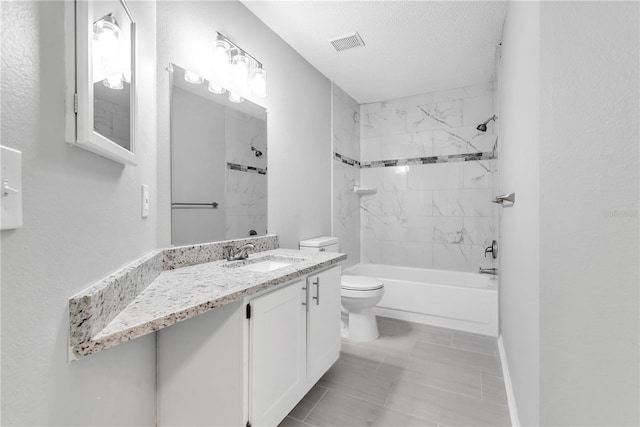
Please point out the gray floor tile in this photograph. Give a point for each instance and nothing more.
(290, 422)
(456, 357)
(444, 407)
(434, 335)
(362, 382)
(337, 409)
(363, 352)
(307, 403)
(447, 377)
(493, 390)
(475, 343)
(413, 375)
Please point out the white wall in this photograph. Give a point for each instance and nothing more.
(299, 118)
(589, 291)
(346, 204)
(569, 246)
(81, 222)
(518, 157)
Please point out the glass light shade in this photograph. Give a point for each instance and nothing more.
(259, 82)
(215, 88)
(221, 63)
(106, 32)
(114, 82)
(192, 77)
(234, 97)
(240, 70)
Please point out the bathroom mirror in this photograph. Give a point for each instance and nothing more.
(218, 164)
(104, 97)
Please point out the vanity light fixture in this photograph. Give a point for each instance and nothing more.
(221, 65)
(240, 70)
(192, 77)
(106, 32)
(234, 97)
(114, 82)
(214, 88)
(236, 71)
(259, 82)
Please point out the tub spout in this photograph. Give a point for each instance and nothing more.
(492, 271)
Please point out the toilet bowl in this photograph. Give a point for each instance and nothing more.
(359, 294)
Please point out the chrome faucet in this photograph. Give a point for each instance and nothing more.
(492, 271)
(243, 252)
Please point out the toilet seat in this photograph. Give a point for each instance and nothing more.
(360, 283)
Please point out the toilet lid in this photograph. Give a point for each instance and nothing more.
(360, 283)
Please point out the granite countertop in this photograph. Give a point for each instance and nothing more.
(185, 292)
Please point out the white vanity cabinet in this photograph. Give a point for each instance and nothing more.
(277, 366)
(323, 323)
(250, 362)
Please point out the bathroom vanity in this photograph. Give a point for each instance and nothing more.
(239, 342)
(252, 361)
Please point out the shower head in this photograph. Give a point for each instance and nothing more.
(258, 152)
(482, 127)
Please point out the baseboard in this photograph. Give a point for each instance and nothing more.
(511, 398)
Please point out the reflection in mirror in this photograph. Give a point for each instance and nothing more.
(112, 91)
(218, 165)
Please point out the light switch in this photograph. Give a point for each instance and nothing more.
(11, 188)
(145, 201)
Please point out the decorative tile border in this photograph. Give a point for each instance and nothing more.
(489, 155)
(243, 168)
(346, 160)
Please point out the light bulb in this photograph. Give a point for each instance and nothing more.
(234, 97)
(220, 69)
(240, 70)
(114, 82)
(106, 32)
(259, 82)
(192, 77)
(214, 88)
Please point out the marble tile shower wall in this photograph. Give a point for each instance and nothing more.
(438, 214)
(346, 142)
(246, 188)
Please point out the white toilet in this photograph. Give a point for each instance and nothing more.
(359, 294)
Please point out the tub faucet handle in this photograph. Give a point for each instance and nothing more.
(493, 250)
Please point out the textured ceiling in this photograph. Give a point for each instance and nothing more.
(411, 47)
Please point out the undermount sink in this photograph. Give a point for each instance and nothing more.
(265, 264)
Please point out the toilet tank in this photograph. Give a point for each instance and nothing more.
(321, 244)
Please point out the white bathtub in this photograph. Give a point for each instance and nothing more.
(462, 301)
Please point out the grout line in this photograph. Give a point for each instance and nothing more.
(435, 387)
(416, 416)
(355, 396)
(316, 404)
(386, 399)
(301, 422)
(457, 348)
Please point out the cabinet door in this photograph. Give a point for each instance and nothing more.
(277, 340)
(323, 336)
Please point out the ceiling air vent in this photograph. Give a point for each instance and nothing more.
(346, 41)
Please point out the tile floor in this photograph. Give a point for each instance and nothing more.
(413, 375)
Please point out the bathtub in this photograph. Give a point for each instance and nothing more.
(463, 301)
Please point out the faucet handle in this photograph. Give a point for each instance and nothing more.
(228, 252)
(493, 250)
